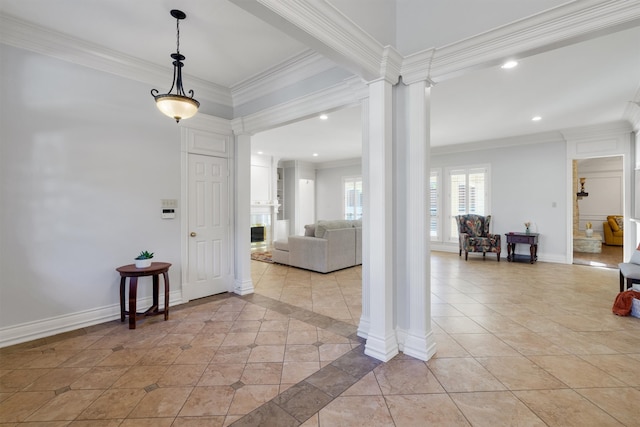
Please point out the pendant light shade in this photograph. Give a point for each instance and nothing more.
(176, 105)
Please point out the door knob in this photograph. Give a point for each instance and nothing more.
(193, 234)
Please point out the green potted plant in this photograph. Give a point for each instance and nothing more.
(144, 259)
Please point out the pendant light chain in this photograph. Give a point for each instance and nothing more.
(176, 105)
(177, 36)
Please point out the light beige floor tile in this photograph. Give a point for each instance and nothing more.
(482, 345)
(294, 372)
(239, 338)
(356, 411)
(575, 372)
(267, 353)
(215, 421)
(565, 408)
(301, 353)
(530, 343)
(330, 352)
(161, 402)
(19, 406)
(56, 378)
(463, 374)
(271, 338)
(217, 374)
(147, 422)
(206, 401)
(425, 409)
(140, 376)
(620, 403)
(490, 409)
(519, 373)
(113, 404)
(620, 366)
(100, 377)
(249, 397)
(15, 380)
(406, 376)
(262, 373)
(181, 375)
(65, 406)
(459, 325)
(367, 386)
(86, 358)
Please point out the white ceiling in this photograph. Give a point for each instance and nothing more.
(587, 83)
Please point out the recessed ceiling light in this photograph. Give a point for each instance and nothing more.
(536, 119)
(323, 117)
(315, 154)
(259, 152)
(509, 64)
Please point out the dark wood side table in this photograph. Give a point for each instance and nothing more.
(132, 272)
(529, 238)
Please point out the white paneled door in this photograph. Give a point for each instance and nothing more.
(209, 229)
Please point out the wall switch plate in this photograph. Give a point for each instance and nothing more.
(168, 208)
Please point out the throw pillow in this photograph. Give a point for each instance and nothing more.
(613, 224)
(635, 257)
(620, 222)
(310, 230)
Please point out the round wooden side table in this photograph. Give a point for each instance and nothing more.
(132, 272)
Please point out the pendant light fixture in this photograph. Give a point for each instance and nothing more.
(176, 105)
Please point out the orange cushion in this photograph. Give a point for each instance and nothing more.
(613, 224)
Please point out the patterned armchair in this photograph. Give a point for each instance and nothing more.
(474, 236)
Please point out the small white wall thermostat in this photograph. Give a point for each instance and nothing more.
(169, 208)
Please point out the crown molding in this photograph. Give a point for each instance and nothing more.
(348, 92)
(326, 30)
(563, 25)
(24, 35)
(417, 67)
(299, 67)
(599, 131)
(513, 141)
(339, 163)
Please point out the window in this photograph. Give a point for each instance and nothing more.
(435, 205)
(468, 194)
(352, 202)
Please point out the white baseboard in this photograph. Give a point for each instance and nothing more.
(29, 331)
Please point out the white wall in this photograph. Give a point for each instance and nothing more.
(527, 184)
(85, 159)
(329, 196)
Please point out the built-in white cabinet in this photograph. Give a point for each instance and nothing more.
(280, 195)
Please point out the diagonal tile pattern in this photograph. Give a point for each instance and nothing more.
(517, 344)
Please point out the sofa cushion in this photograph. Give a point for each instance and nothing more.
(282, 245)
(635, 257)
(322, 226)
(620, 222)
(613, 224)
(310, 230)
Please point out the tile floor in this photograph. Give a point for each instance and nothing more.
(517, 344)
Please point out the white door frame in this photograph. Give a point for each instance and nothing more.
(209, 136)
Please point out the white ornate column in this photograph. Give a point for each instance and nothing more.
(363, 326)
(242, 283)
(382, 343)
(419, 341)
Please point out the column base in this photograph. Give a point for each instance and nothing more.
(421, 347)
(383, 349)
(243, 288)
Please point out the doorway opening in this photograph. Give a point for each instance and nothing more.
(598, 196)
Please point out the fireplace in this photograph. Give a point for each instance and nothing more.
(261, 227)
(258, 233)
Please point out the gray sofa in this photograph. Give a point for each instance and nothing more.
(326, 246)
